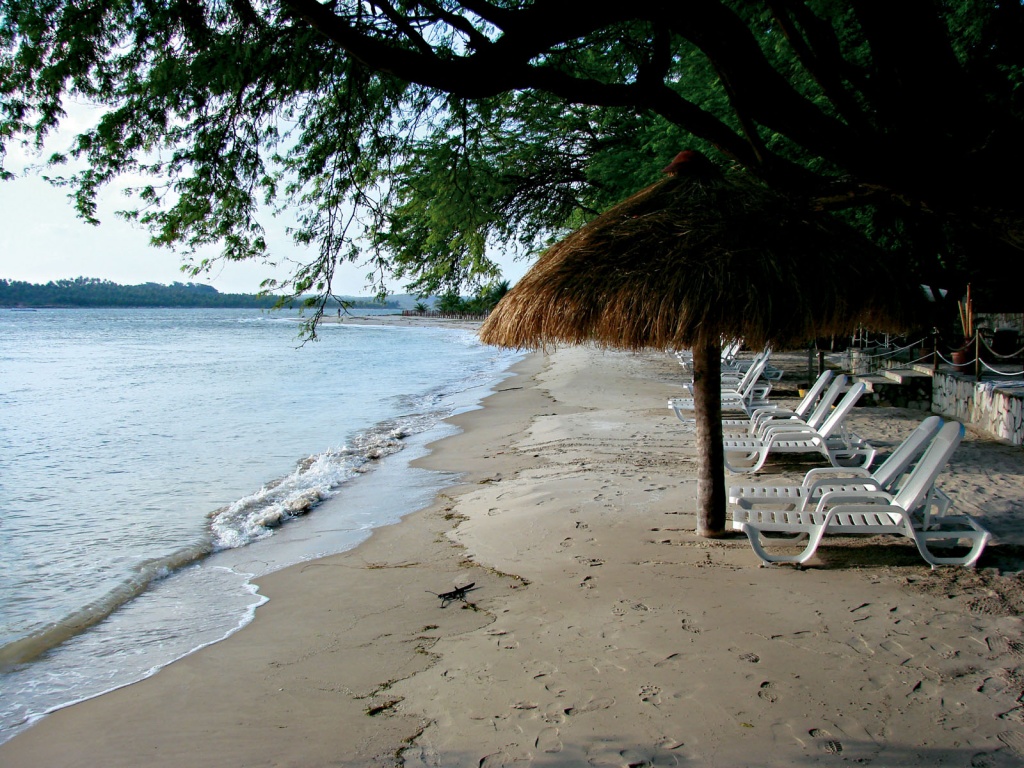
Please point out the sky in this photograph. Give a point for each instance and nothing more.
(42, 239)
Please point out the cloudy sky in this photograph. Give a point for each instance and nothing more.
(41, 239)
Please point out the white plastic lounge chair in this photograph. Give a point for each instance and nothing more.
(747, 397)
(747, 382)
(821, 480)
(801, 411)
(876, 512)
(739, 367)
(734, 371)
(685, 356)
(832, 441)
(763, 418)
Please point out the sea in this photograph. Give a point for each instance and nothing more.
(154, 462)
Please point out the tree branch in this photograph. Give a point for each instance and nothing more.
(477, 39)
(817, 48)
(758, 90)
(403, 26)
(921, 85)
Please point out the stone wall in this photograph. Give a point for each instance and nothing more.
(993, 407)
(997, 320)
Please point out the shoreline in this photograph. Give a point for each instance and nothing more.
(603, 630)
(190, 593)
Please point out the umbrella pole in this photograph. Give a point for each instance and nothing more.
(707, 402)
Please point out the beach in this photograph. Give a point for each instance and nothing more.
(600, 630)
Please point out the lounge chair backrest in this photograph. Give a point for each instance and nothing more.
(812, 395)
(729, 351)
(922, 477)
(824, 406)
(836, 418)
(900, 459)
(749, 379)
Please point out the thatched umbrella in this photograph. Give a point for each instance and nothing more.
(692, 260)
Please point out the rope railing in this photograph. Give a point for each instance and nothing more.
(947, 361)
(996, 354)
(933, 355)
(890, 353)
(998, 372)
(977, 361)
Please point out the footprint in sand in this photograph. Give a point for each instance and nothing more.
(1014, 741)
(650, 694)
(1015, 715)
(496, 760)
(548, 741)
(999, 645)
(823, 739)
(540, 669)
(1000, 758)
(591, 706)
(689, 626)
(672, 660)
(753, 658)
(638, 757)
(553, 716)
(766, 693)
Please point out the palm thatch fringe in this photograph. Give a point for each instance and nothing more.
(698, 257)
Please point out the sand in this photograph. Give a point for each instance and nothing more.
(601, 630)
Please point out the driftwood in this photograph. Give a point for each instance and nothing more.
(459, 593)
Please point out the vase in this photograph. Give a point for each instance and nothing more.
(961, 361)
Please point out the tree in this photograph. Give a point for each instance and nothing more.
(432, 131)
(436, 130)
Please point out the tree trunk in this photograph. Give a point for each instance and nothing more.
(707, 397)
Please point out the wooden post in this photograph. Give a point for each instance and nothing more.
(977, 356)
(935, 349)
(707, 402)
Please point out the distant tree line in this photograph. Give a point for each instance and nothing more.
(93, 292)
(485, 299)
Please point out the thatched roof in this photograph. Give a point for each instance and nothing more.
(697, 257)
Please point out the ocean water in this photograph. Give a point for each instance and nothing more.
(152, 462)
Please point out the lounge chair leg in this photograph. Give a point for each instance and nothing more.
(758, 457)
(814, 538)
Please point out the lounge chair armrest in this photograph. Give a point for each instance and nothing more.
(795, 431)
(772, 410)
(845, 499)
(814, 475)
(866, 486)
(763, 416)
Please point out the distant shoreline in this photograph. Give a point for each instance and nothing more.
(94, 293)
(399, 319)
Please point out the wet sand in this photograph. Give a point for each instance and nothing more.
(601, 630)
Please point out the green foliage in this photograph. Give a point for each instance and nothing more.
(93, 292)
(418, 139)
(485, 299)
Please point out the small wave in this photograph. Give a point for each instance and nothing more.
(315, 478)
(36, 643)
